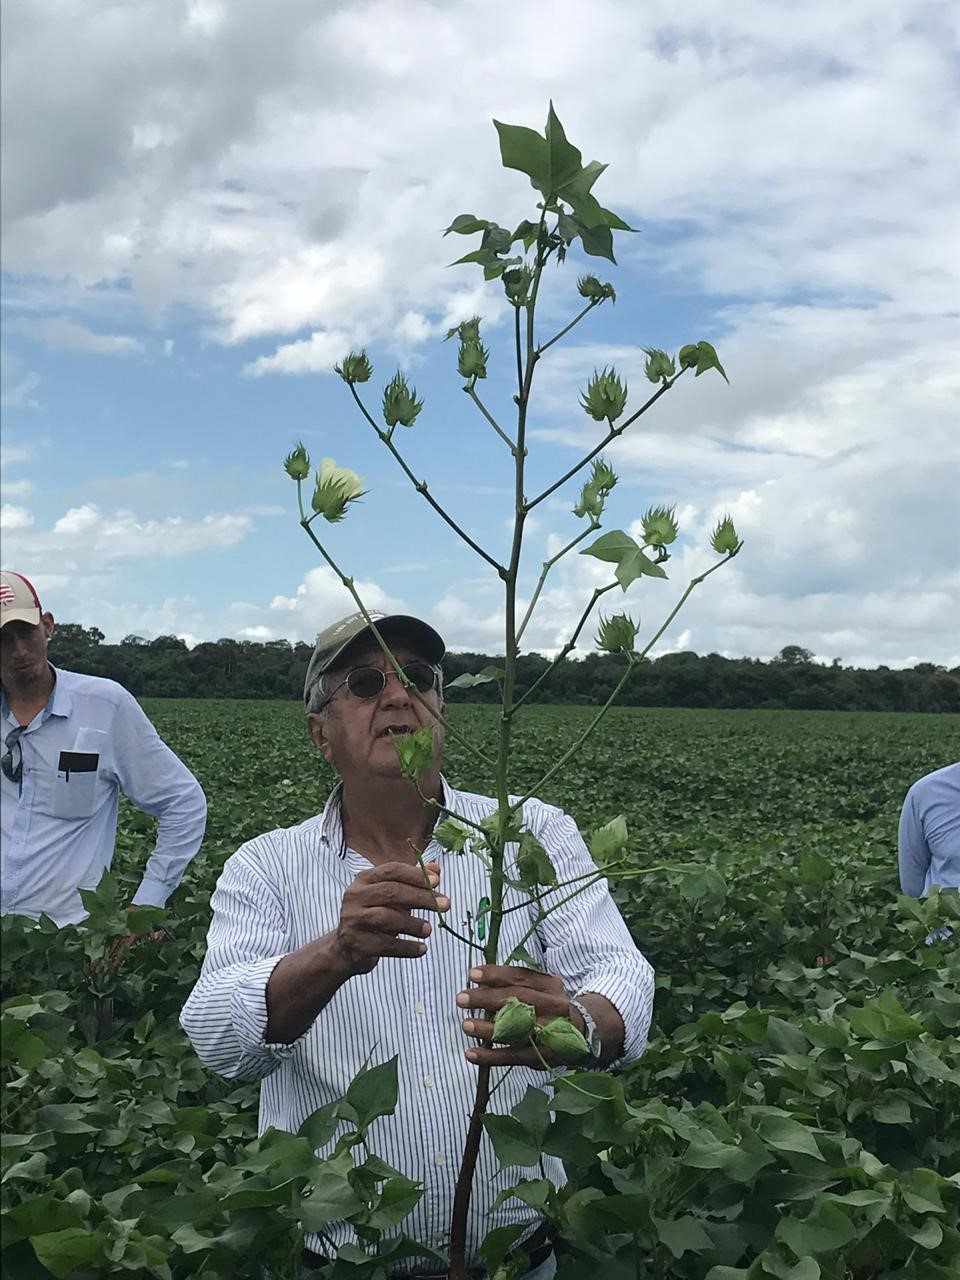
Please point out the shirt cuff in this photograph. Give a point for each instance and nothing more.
(633, 1000)
(248, 1008)
(152, 893)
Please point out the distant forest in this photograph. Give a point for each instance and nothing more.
(166, 668)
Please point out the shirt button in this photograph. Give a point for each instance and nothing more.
(439, 1158)
(429, 1082)
(418, 1007)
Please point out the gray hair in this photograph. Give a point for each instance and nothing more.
(318, 697)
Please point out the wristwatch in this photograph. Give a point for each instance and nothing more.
(591, 1032)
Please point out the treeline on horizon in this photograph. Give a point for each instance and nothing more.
(167, 668)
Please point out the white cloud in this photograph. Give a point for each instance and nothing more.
(68, 335)
(12, 517)
(278, 175)
(316, 354)
(87, 532)
(274, 195)
(16, 488)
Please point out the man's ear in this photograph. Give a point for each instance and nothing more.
(317, 729)
(46, 621)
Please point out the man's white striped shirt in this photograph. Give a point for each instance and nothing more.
(284, 889)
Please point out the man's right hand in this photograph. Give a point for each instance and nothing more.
(376, 919)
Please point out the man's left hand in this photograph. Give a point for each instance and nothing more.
(495, 984)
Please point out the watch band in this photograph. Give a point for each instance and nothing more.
(591, 1032)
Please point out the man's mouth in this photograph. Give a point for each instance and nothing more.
(395, 730)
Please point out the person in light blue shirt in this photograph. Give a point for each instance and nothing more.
(70, 744)
(930, 833)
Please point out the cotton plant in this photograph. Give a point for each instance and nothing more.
(567, 213)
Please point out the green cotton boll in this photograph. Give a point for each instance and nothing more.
(658, 365)
(594, 290)
(561, 1039)
(515, 1022)
(516, 285)
(617, 634)
(472, 362)
(724, 539)
(415, 751)
(660, 526)
(605, 397)
(355, 368)
(596, 491)
(400, 403)
(297, 463)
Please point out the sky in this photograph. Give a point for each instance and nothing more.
(206, 205)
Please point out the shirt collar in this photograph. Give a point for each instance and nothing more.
(331, 820)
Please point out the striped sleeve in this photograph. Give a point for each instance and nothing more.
(226, 1013)
(586, 942)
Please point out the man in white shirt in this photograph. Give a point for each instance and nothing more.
(321, 957)
(70, 744)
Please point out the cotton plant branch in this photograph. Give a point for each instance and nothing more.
(471, 391)
(386, 437)
(633, 662)
(547, 566)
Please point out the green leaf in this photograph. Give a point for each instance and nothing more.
(398, 1197)
(485, 676)
(892, 1111)
(524, 149)
(920, 1189)
(702, 884)
(465, 224)
(814, 869)
(611, 546)
(534, 865)
(533, 1112)
(927, 1236)
(784, 1134)
(373, 1093)
(497, 1244)
(825, 1229)
(511, 1142)
(682, 1235)
(637, 564)
(786, 1038)
(321, 1125)
(332, 1196)
(598, 242)
(62, 1252)
(564, 159)
(707, 358)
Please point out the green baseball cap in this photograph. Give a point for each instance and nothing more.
(337, 638)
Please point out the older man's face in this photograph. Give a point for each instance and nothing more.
(356, 734)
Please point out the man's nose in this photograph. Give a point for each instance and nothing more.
(394, 690)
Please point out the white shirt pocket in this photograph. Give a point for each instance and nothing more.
(75, 784)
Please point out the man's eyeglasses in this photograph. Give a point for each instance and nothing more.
(12, 743)
(367, 682)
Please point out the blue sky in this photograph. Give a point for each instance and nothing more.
(206, 205)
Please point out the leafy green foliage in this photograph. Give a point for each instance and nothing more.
(800, 1087)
